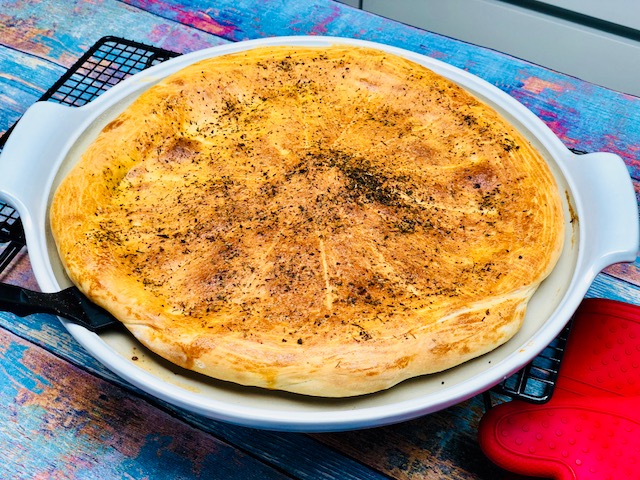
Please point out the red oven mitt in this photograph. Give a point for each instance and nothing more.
(590, 429)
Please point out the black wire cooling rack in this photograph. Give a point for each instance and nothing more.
(111, 60)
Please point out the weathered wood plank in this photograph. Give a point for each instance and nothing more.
(437, 446)
(606, 286)
(628, 272)
(19, 272)
(296, 454)
(23, 80)
(300, 455)
(61, 31)
(57, 421)
(40, 40)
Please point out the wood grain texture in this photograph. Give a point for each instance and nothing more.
(39, 40)
(605, 286)
(299, 455)
(23, 81)
(60, 422)
(438, 446)
(19, 272)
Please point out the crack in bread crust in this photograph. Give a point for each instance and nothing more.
(322, 221)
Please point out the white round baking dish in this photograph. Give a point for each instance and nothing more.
(602, 229)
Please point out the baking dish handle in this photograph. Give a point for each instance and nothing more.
(26, 159)
(29, 162)
(608, 197)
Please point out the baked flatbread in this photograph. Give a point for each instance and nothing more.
(327, 221)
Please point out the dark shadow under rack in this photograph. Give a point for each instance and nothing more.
(113, 59)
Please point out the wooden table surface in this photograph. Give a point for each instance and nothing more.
(63, 415)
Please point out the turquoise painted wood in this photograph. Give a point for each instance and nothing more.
(63, 415)
(66, 423)
(312, 459)
(41, 39)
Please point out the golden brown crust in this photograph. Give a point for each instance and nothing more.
(322, 221)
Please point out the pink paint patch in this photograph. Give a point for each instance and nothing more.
(205, 22)
(612, 144)
(158, 32)
(321, 27)
(554, 123)
(537, 85)
(437, 55)
(178, 39)
(629, 272)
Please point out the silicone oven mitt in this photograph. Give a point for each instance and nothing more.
(590, 429)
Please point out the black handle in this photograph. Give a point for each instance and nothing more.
(23, 302)
(69, 303)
